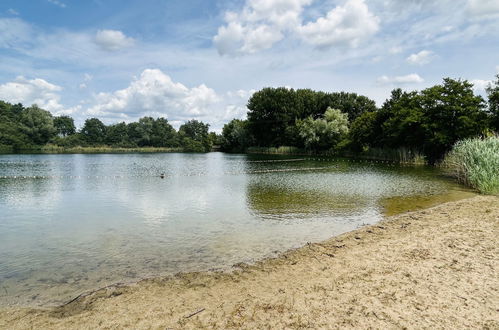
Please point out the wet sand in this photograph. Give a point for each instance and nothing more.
(431, 268)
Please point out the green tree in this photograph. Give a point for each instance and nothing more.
(236, 136)
(451, 113)
(197, 134)
(324, 133)
(94, 131)
(271, 111)
(493, 98)
(64, 126)
(38, 125)
(117, 135)
(163, 134)
(364, 131)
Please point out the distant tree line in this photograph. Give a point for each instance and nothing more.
(429, 121)
(28, 128)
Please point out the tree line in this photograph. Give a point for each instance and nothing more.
(428, 121)
(29, 128)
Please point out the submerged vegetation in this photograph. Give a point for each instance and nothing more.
(475, 162)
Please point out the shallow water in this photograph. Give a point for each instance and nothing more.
(71, 223)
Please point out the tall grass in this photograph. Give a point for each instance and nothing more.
(475, 162)
(399, 155)
(283, 150)
(103, 149)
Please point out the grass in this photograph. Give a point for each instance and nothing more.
(475, 162)
(49, 149)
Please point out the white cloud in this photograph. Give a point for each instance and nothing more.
(259, 25)
(113, 40)
(347, 25)
(36, 91)
(480, 85)
(497, 69)
(483, 8)
(262, 23)
(154, 93)
(57, 3)
(421, 58)
(412, 78)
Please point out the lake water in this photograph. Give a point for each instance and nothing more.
(72, 223)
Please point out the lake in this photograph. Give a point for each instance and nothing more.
(72, 223)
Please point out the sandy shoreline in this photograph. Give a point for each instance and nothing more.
(431, 268)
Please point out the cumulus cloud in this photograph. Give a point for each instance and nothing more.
(113, 40)
(421, 58)
(262, 23)
(154, 93)
(35, 91)
(412, 78)
(259, 25)
(344, 25)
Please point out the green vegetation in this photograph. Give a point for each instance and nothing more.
(410, 127)
(35, 130)
(475, 162)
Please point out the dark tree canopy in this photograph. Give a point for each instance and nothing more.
(64, 126)
(94, 131)
(493, 96)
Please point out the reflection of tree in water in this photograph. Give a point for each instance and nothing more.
(279, 201)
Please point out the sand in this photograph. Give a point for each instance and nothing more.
(435, 268)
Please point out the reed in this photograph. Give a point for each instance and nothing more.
(475, 162)
(103, 149)
(283, 150)
(399, 155)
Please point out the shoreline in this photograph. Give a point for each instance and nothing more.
(366, 274)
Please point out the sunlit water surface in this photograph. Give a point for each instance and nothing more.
(72, 223)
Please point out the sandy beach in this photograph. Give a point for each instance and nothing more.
(435, 268)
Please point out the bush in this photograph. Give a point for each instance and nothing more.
(475, 162)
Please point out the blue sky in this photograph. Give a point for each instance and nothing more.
(121, 60)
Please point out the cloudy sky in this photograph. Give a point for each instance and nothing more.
(119, 60)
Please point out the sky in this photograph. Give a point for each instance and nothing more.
(119, 60)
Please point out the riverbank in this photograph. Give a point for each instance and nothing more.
(431, 268)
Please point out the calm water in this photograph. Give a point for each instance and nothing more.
(71, 223)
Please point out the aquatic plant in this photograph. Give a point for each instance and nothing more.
(475, 162)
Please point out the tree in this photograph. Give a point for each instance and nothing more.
(364, 131)
(451, 113)
(64, 126)
(163, 134)
(38, 125)
(324, 133)
(94, 131)
(236, 136)
(271, 111)
(197, 133)
(117, 135)
(493, 98)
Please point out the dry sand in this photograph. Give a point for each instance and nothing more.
(435, 268)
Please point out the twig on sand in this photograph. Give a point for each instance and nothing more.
(195, 313)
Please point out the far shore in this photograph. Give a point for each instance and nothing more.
(430, 268)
